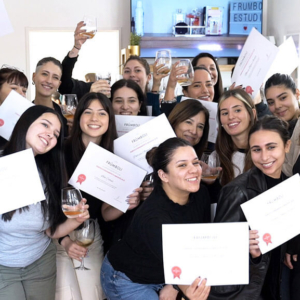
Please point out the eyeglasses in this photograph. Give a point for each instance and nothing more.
(11, 67)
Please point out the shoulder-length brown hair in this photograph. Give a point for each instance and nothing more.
(185, 110)
(225, 146)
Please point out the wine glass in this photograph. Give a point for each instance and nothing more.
(210, 166)
(85, 235)
(186, 78)
(69, 104)
(163, 57)
(70, 202)
(90, 26)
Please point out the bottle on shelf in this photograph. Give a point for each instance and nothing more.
(139, 19)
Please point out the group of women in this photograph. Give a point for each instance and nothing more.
(255, 154)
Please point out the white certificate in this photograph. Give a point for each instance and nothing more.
(254, 62)
(10, 111)
(125, 124)
(106, 176)
(275, 214)
(134, 145)
(218, 252)
(286, 60)
(212, 108)
(20, 183)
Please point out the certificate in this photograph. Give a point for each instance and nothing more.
(20, 183)
(125, 124)
(218, 252)
(10, 111)
(275, 214)
(134, 145)
(106, 176)
(286, 60)
(212, 108)
(254, 62)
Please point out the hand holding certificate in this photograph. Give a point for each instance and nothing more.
(10, 112)
(134, 145)
(275, 214)
(20, 183)
(218, 252)
(106, 176)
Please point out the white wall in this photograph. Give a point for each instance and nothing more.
(111, 14)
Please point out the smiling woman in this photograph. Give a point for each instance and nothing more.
(268, 142)
(46, 79)
(176, 199)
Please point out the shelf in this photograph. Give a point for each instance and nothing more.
(235, 42)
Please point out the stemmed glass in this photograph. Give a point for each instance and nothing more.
(90, 26)
(69, 104)
(85, 235)
(210, 166)
(186, 78)
(163, 57)
(70, 202)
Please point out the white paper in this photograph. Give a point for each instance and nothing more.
(254, 62)
(106, 176)
(134, 145)
(212, 108)
(10, 111)
(125, 124)
(216, 251)
(286, 60)
(275, 214)
(20, 183)
(5, 24)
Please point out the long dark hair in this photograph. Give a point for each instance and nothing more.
(218, 87)
(159, 157)
(225, 146)
(185, 110)
(75, 139)
(134, 86)
(51, 165)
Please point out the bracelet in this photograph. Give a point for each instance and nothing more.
(60, 239)
(76, 47)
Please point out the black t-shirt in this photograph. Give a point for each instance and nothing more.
(139, 254)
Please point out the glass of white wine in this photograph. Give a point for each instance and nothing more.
(210, 166)
(187, 77)
(68, 106)
(163, 57)
(85, 235)
(90, 26)
(70, 202)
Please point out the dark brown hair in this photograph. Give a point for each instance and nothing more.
(185, 110)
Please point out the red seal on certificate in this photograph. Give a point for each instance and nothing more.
(81, 178)
(249, 90)
(1, 122)
(267, 238)
(176, 272)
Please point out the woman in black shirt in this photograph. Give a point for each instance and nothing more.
(133, 268)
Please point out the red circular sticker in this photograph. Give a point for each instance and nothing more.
(81, 178)
(1, 122)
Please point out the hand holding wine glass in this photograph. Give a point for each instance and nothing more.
(71, 201)
(85, 235)
(90, 26)
(163, 62)
(68, 107)
(210, 167)
(187, 77)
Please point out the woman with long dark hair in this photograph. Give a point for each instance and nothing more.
(94, 121)
(27, 255)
